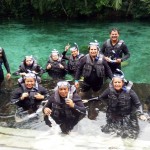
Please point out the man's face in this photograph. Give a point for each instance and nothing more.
(29, 82)
(93, 51)
(63, 91)
(114, 35)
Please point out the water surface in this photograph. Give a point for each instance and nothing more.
(20, 38)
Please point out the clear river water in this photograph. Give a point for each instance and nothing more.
(21, 38)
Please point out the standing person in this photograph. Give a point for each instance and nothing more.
(65, 106)
(115, 50)
(30, 94)
(3, 59)
(73, 59)
(56, 66)
(94, 69)
(123, 107)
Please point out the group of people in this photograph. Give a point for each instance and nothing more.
(65, 105)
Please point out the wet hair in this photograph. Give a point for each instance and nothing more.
(114, 29)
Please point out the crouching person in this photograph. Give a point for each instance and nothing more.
(30, 94)
(65, 106)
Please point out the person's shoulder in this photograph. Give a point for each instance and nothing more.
(84, 57)
(106, 42)
(41, 87)
(76, 97)
(17, 90)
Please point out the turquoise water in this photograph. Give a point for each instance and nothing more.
(38, 39)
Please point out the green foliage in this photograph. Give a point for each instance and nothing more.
(117, 4)
(141, 9)
(73, 8)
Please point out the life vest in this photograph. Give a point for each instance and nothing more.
(56, 71)
(55, 64)
(25, 68)
(120, 104)
(113, 51)
(31, 92)
(58, 108)
(72, 63)
(96, 66)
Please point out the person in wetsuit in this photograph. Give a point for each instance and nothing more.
(115, 50)
(65, 106)
(30, 94)
(123, 107)
(73, 59)
(29, 65)
(3, 60)
(94, 68)
(56, 66)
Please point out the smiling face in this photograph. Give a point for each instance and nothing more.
(74, 53)
(29, 82)
(93, 51)
(55, 57)
(114, 35)
(63, 91)
(117, 83)
(29, 61)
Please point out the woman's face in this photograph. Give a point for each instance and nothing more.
(117, 83)
(29, 82)
(55, 57)
(74, 53)
(63, 91)
(29, 61)
(93, 51)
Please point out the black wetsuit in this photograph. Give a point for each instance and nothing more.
(29, 102)
(121, 109)
(93, 81)
(3, 59)
(34, 67)
(72, 62)
(117, 51)
(63, 115)
(55, 71)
